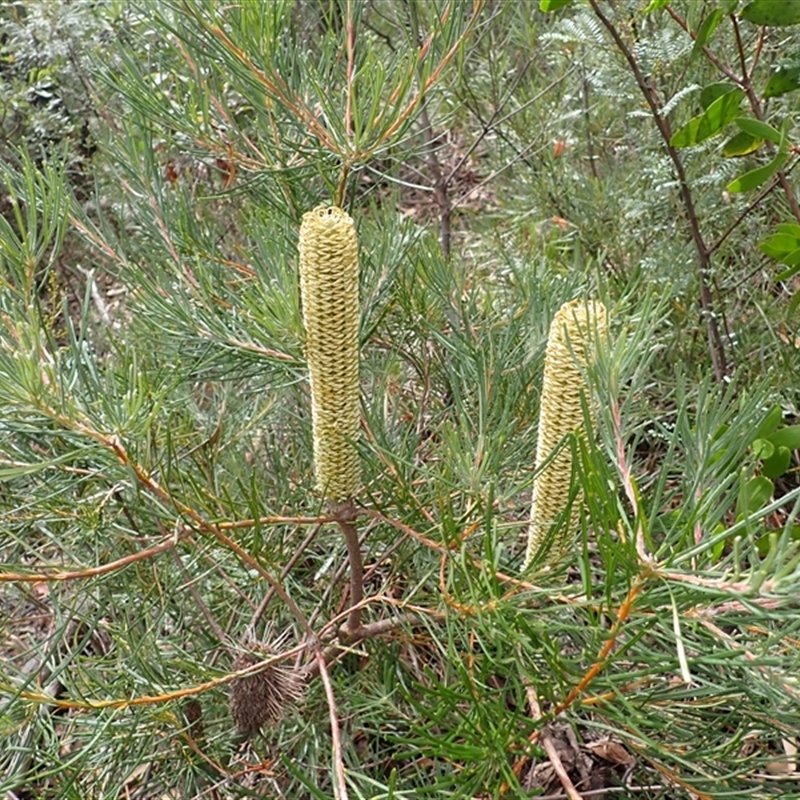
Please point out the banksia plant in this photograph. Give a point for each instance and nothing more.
(329, 285)
(573, 333)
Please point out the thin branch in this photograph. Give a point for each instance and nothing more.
(144, 700)
(549, 745)
(340, 783)
(356, 573)
(92, 572)
(715, 343)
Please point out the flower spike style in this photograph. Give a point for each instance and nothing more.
(576, 328)
(328, 250)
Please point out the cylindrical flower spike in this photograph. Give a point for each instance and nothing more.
(573, 333)
(329, 284)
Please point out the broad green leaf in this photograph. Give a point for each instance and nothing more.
(778, 245)
(763, 449)
(754, 178)
(783, 80)
(719, 114)
(722, 111)
(772, 12)
(755, 494)
(742, 144)
(787, 437)
(789, 229)
(792, 258)
(706, 29)
(777, 463)
(687, 135)
(770, 422)
(759, 129)
(713, 92)
(730, 6)
(763, 543)
(552, 5)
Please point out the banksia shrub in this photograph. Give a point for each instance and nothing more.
(573, 332)
(329, 285)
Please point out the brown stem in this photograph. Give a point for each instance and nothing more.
(340, 782)
(369, 631)
(345, 519)
(716, 345)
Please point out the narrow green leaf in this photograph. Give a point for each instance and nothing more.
(742, 144)
(705, 31)
(794, 303)
(772, 12)
(759, 129)
(783, 80)
(654, 5)
(754, 178)
(552, 5)
(784, 276)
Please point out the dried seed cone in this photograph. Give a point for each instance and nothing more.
(263, 697)
(329, 284)
(575, 329)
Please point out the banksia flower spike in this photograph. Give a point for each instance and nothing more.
(573, 332)
(329, 285)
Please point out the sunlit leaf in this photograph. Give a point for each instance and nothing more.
(720, 113)
(778, 245)
(772, 12)
(755, 178)
(787, 437)
(552, 5)
(705, 31)
(742, 144)
(713, 92)
(759, 129)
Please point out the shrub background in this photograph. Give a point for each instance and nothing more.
(158, 500)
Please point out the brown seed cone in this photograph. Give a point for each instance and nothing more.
(328, 250)
(575, 329)
(263, 697)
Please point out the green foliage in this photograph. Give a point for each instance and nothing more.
(157, 495)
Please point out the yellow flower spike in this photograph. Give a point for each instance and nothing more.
(573, 333)
(329, 284)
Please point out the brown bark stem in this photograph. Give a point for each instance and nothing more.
(345, 519)
(715, 343)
